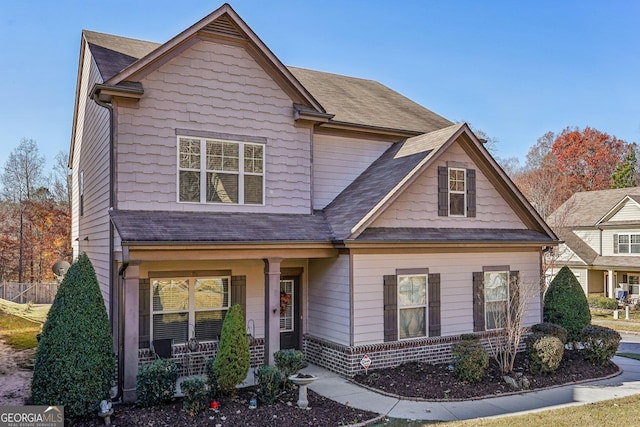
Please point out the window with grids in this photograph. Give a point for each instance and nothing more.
(629, 243)
(496, 299)
(186, 307)
(286, 305)
(457, 192)
(412, 306)
(216, 171)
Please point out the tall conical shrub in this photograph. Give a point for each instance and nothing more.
(565, 304)
(74, 363)
(232, 360)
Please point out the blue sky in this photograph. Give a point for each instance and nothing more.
(515, 69)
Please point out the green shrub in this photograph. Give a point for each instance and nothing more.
(156, 382)
(289, 361)
(565, 304)
(470, 337)
(550, 329)
(545, 353)
(600, 343)
(268, 379)
(603, 303)
(470, 360)
(232, 360)
(74, 363)
(210, 379)
(195, 395)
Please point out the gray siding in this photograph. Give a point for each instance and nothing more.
(629, 212)
(329, 294)
(456, 281)
(218, 88)
(337, 161)
(90, 232)
(417, 206)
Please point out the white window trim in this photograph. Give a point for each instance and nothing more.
(450, 191)
(629, 252)
(203, 171)
(191, 311)
(425, 305)
(485, 297)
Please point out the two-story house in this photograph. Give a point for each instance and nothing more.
(343, 217)
(601, 240)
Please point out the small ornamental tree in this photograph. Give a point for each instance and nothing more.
(232, 360)
(565, 304)
(74, 363)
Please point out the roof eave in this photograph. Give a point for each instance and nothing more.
(106, 92)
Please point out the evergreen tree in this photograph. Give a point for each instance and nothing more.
(624, 175)
(74, 363)
(565, 304)
(232, 360)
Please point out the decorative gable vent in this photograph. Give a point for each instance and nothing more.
(226, 27)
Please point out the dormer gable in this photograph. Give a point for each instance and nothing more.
(626, 211)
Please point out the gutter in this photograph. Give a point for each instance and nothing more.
(113, 288)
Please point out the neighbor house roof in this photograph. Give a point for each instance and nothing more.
(587, 208)
(454, 235)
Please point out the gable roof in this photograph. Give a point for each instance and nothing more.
(588, 208)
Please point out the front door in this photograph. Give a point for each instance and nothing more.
(290, 314)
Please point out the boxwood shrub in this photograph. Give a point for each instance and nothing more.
(289, 361)
(269, 380)
(545, 353)
(565, 304)
(195, 395)
(156, 382)
(550, 329)
(600, 343)
(470, 360)
(74, 363)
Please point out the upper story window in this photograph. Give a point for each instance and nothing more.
(626, 243)
(456, 191)
(218, 171)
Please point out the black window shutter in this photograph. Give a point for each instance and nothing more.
(615, 244)
(435, 328)
(239, 293)
(478, 301)
(471, 193)
(443, 191)
(514, 294)
(390, 308)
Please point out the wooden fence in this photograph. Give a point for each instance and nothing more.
(22, 293)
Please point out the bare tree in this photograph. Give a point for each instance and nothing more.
(61, 180)
(21, 176)
(509, 322)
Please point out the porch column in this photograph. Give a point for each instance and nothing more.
(272, 308)
(131, 317)
(610, 286)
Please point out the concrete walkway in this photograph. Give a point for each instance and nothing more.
(341, 390)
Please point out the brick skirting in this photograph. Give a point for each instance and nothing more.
(345, 360)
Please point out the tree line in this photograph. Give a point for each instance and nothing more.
(35, 215)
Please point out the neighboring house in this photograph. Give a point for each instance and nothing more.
(601, 234)
(344, 218)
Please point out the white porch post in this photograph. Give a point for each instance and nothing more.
(131, 317)
(610, 286)
(272, 308)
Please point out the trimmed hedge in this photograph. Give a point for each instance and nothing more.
(195, 395)
(565, 304)
(600, 343)
(75, 364)
(156, 382)
(269, 380)
(550, 329)
(545, 353)
(470, 360)
(289, 361)
(603, 303)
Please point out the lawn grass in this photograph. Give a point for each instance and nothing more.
(605, 318)
(20, 323)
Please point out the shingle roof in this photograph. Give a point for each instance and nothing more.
(203, 227)
(351, 100)
(379, 180)
(454, 235)
(577, 245)
(367, 102)
(586, 208)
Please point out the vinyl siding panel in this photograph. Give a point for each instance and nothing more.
(90, 232)
(607, 240)
(629, 212)
(592, 238)
(456, 278)
(417, 206)
(217, 88)
(329, 296)
(337, 161)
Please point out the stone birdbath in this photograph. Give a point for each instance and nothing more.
(302, 381)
